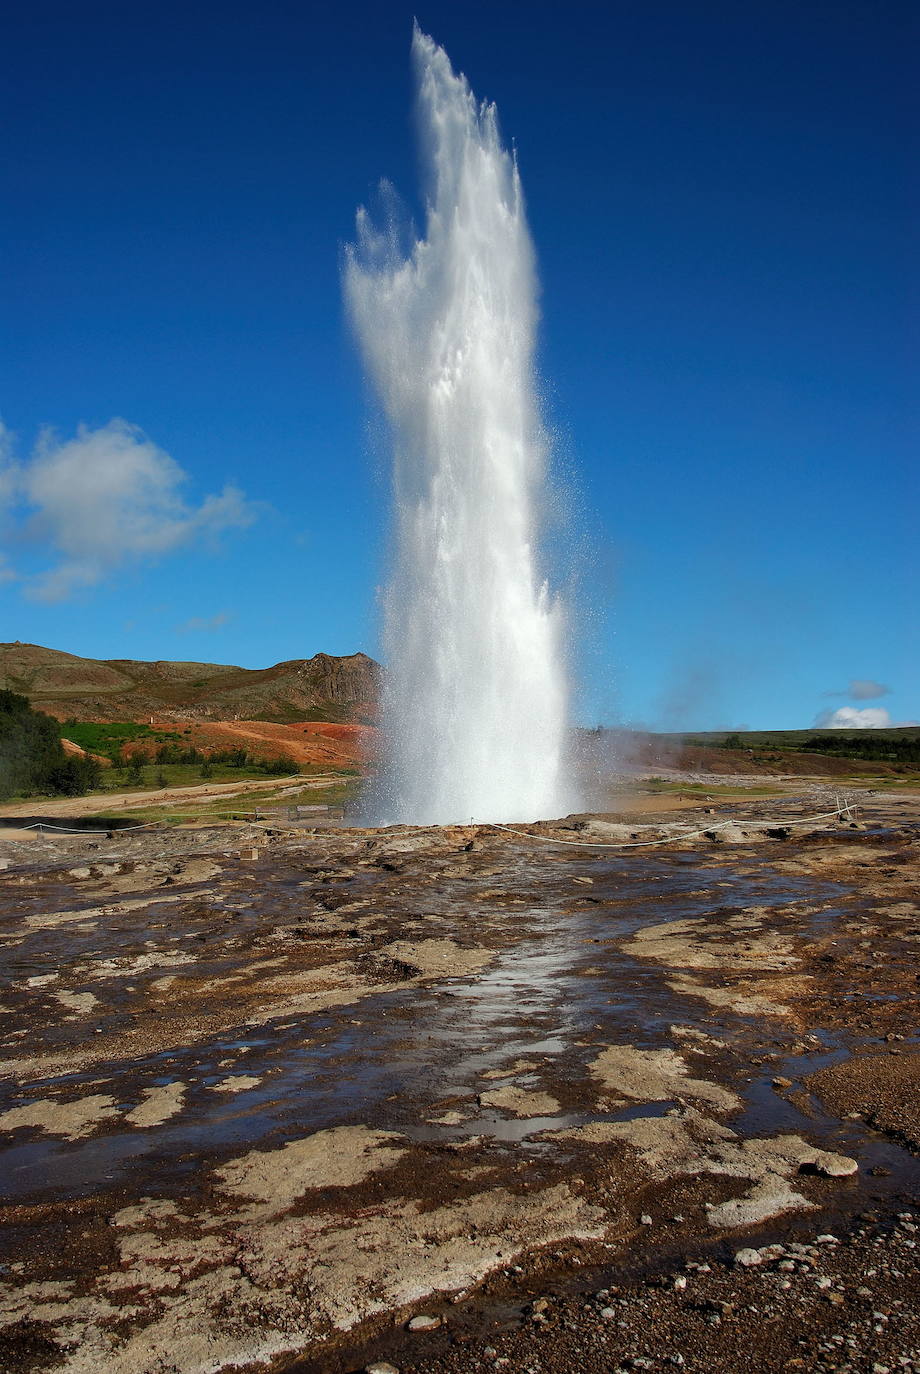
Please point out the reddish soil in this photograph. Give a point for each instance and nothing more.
(306, 742)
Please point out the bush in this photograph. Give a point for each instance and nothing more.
(283, 764)
(32, 758)
(73, 777)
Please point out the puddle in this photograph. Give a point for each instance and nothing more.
(552, 999)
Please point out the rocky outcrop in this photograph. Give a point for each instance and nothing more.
(324, 687)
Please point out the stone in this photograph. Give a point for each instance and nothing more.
(748, 1257)
(424, 1322)
(834, 1165)
(380, 1367)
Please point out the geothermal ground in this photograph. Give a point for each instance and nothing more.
(456, 1099)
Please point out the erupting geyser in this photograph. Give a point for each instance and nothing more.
(475, 699)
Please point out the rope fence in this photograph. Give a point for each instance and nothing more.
(848, 810)
(111, 822)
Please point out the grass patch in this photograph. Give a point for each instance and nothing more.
(108, 738)
(153, 777)
(704, 789)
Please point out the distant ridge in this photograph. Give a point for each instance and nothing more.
(325, 687)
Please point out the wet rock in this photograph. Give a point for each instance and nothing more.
(830, 1165)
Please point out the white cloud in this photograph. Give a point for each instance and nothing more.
(108, 497)
(852, 718)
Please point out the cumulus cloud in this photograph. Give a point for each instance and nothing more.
(109, 497)
(854, 718)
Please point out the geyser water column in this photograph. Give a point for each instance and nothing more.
(475, 696)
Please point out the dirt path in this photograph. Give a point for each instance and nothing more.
(111, 801)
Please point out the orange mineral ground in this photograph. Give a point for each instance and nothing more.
(307, 742)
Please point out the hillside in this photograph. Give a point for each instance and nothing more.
(322, 688)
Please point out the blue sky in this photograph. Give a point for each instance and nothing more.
(718, 195)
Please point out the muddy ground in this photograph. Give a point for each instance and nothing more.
(271, 1097)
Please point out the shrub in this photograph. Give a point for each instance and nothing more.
(283, 764)
(32, 758)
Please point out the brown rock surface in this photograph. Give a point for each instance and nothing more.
(258, 1116)
(65, 685)
(884, 1089)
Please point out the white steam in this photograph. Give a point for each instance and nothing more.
(474, 710)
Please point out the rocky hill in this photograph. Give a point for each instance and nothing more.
(320, 688)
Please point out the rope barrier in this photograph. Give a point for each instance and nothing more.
(75, 829)
(846, 810)
(669, 839)
(111, 822)
(172, 815)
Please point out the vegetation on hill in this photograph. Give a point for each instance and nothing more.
(900, 744)
(867, 744)
(144, 757)
(110, 738)
(32, 758)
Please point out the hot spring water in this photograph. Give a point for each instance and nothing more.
(475, 697)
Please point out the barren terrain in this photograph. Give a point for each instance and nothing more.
(459, 1098)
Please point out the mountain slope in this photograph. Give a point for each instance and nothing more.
(63, 685)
